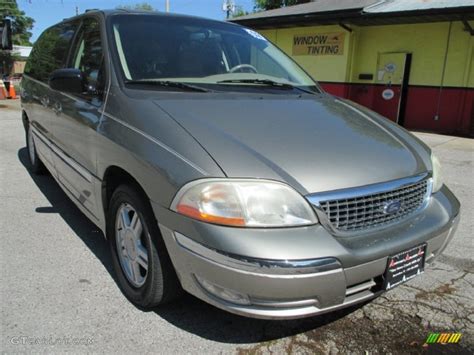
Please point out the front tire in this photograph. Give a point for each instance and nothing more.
(140, 259)
(36, 165)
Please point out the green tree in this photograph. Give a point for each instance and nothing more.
(141, 6)
(21, 24)
(239, 11)
(262, 5)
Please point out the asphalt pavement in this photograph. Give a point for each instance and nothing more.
(58, 292)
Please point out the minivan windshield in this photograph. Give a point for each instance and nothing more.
(201, 52)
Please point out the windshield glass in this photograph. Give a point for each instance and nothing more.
(198, 51)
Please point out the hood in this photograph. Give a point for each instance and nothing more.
(313, 143)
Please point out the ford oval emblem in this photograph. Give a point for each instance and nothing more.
(391, 207)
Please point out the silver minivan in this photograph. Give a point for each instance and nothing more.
(214, 164)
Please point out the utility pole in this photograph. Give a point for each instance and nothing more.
(77, 10)
(167, 7)
(228, 7)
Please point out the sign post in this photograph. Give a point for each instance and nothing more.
(6, 35)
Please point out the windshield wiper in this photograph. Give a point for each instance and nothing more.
(168, 83)
(267, 82)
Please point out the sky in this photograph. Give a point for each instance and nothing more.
(48, 12)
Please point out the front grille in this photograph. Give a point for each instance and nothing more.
(350, 214)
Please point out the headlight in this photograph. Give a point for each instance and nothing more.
(244, 203)
(437, 177)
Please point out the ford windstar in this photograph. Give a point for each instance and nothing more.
(214, 164)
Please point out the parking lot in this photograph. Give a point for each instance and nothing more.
(58, 291)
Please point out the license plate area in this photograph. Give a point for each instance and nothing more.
(404, 266)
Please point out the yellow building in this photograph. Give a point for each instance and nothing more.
(409, 60)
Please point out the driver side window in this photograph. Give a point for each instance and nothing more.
(89, 58)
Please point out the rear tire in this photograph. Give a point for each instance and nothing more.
(140, 259)
(36, 165)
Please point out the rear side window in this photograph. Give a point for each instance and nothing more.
(50, 51)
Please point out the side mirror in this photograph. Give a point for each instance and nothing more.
(68, 80)
(6, 35)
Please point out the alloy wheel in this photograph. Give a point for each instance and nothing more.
(131, 241)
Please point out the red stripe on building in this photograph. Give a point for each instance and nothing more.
(456, 105)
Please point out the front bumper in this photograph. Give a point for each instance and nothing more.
(299, 272)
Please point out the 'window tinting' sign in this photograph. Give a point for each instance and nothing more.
(319, 44)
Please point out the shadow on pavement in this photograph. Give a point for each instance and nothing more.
(61, 204)
(206, 321)
(188, 313)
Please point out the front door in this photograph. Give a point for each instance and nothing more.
(77, 118)
(391, 78)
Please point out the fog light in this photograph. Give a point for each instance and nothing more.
(223, 293)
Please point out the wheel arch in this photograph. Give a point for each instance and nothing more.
(114, 176)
